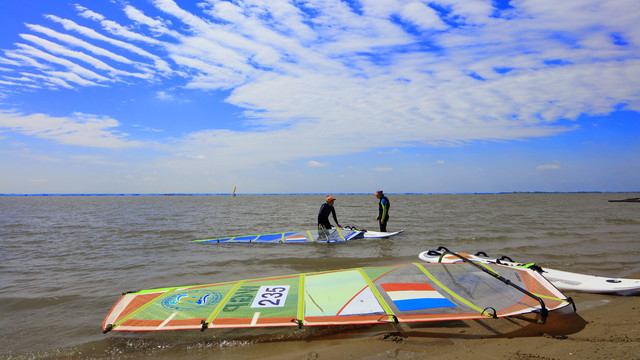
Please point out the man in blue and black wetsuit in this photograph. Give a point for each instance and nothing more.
(323, 214)
(383, 210)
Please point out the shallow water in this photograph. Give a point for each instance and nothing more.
(65, 260)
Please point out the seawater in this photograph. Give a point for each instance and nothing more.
(65, 260)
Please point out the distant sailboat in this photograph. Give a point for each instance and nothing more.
(234, 192)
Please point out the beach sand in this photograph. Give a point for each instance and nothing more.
(604, 327)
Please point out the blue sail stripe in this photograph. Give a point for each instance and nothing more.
(423, 303)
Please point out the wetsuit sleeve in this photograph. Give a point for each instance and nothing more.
(333, 211)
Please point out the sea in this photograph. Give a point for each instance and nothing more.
(65, 260)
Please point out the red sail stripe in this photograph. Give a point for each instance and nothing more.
(407, 287)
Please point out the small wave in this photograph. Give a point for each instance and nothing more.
(622, 221)
(22, 304)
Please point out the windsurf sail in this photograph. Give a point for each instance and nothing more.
(413, 292)
(562, 280)
(234, 192)
(305, 236)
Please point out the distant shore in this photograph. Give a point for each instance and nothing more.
(270, 194)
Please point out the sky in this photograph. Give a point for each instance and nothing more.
(323, 96)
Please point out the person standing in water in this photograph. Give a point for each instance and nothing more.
(383, 210)
(323, 215)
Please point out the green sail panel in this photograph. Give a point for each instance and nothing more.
(270, 302)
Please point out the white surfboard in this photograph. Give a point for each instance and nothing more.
(380, 234)
(563, 280)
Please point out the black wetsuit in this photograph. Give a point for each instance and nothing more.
(323, 216)
(383, 212)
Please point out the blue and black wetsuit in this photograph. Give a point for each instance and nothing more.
(323, 216)
(383, 212)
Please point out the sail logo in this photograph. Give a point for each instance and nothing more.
(241, 298)
(191, 300)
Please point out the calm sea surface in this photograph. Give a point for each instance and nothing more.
(65, 260)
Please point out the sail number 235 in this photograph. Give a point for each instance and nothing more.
(271, 296)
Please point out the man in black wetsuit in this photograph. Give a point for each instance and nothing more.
(323, 214)
(383, 210)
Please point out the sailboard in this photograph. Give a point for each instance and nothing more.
(234, 192)
(304, 236)
(563, 280)
(380, 234)
(414, 292)
(374, 234)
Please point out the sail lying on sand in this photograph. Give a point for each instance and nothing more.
(305, 236)
(394, 293)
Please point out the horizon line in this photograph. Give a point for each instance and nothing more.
(317, 193)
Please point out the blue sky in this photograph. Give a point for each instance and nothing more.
(272, 96)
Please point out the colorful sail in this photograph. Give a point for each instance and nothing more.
(305, 236)
(369, 295)
(562, 280)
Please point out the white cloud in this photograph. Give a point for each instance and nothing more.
(76, 69)
(79, 129)
(58, 49)
(72, 40)
(423, 16)
(313, 163)
(382, 169)
(299, 70)
(191, 156)
(90, 33)
(162, 95)
(67, 77)
(548, 167)
(409, 97)
(86, 13)
(48, 80)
